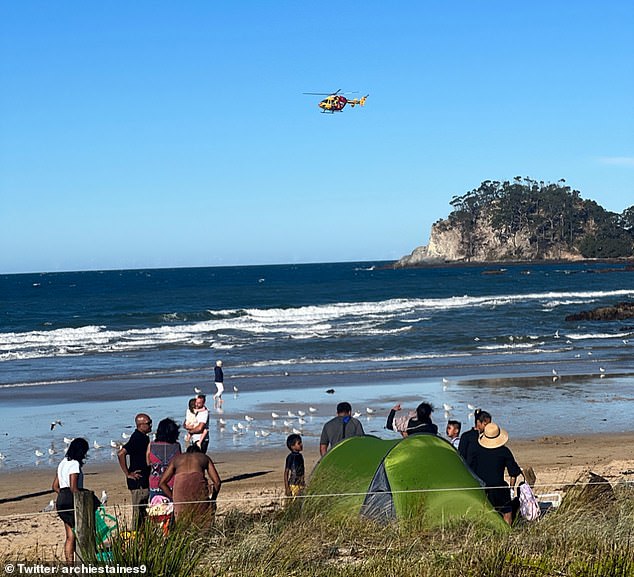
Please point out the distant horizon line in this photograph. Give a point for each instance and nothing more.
(184, 267)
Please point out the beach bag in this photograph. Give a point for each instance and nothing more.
(529, 507)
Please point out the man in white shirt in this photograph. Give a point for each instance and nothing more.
(202, 424)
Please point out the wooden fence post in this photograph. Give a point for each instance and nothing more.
(85, 548)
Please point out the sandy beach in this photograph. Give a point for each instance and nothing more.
(253, 480)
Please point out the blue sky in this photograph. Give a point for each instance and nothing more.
(158, 134)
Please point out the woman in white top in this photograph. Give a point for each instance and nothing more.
(70, 480)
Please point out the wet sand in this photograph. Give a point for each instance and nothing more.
(252, 480)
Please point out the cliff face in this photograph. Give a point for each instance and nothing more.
(447, 243)
(525, 219)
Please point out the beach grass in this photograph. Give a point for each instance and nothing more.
(582, 539)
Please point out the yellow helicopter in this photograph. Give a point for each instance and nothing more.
(335, 102)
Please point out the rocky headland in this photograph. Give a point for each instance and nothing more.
(525, 220)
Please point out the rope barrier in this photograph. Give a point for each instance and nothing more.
(332, 495)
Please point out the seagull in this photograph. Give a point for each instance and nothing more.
(275, 415)
(265, 433)
(51, 451)
(68, 440)
(50, 507)
(557, 334)
(369, 411)
(235, 389)
(198, 391)
(555, 375)
(476, 339)
(447, 407)
(125, 435)
(470, 407)
(301, 413)
(257, 433)
(312, 409)
(288, 424)
(55, 423)
(96, 445)
(104, 497)
(235, 429)
(38, 453)
(290, 414)
(248, 419)
(2, 457)
(301, 421)
(445, 381)
(114, 444)
(356, 414)
(296, 431)
(602, 372)
(222, 422)
(240, 426)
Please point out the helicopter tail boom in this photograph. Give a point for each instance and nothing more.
(359, 101)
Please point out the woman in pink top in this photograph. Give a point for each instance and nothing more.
(160, 452)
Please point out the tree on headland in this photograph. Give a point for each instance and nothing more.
(548, 217)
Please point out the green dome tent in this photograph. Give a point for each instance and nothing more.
(421, 476)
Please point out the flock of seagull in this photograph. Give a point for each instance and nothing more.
(291, 421)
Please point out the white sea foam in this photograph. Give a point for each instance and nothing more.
(230, 328)
(509, 346)
(588, 336)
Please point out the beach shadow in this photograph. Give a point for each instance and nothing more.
(26, 496)
(245, 476)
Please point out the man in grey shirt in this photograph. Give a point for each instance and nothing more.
(344, 425)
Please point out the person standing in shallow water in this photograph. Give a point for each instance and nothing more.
(219, 381)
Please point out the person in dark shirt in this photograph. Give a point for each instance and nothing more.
(294, 467)
(219, 381)
(418, 425)
(469, 440)
(133, 463)
(492, 458)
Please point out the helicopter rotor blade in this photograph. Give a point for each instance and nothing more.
(325, 93)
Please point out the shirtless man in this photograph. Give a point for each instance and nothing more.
(191, 493)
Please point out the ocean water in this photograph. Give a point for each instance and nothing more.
(147, 337)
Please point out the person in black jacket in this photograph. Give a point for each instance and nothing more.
(492, 458)
(469, 440)
(418, 425)
(219, 381)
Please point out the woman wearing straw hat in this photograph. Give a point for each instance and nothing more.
(491, 459)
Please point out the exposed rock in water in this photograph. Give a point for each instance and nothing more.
(618, 312)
